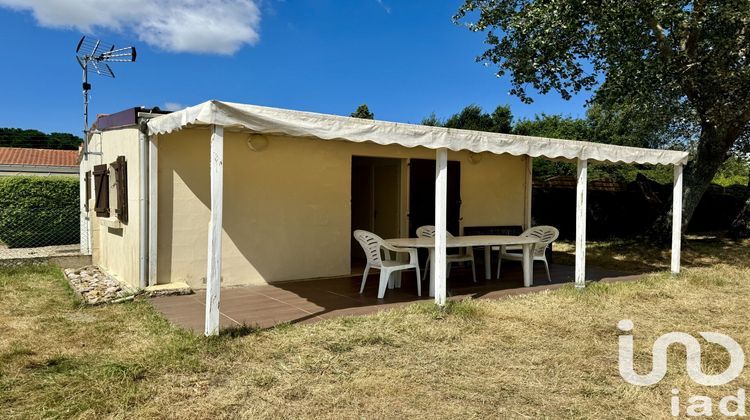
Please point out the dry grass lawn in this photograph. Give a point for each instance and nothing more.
(550, 355)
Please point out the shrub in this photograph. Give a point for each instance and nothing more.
(36, 211)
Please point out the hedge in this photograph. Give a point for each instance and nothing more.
(39, 211)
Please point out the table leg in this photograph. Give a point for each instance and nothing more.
(488, 263)
(527, 267)
(432, 271)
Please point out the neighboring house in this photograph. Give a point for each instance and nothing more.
(38, 162)
(253, 195)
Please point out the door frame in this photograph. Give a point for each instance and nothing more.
(403, 192)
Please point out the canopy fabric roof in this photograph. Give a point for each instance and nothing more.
(265, 120)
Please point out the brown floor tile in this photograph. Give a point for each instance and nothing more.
(313, 300)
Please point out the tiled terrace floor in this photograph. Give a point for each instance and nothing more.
(313, 300)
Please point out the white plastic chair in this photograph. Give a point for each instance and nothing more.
(464, 254)
(373, 244)
(545, 234)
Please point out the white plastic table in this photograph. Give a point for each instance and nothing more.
(486, 241)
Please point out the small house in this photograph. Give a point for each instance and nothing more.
(234, 194)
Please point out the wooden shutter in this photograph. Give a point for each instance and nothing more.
(121, 182)
(88, 191)
(101, 190)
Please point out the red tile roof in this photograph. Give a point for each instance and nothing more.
(38, 157)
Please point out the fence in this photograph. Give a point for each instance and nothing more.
(39, 216)
(628, 209)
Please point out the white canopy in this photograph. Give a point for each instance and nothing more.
(265, 120)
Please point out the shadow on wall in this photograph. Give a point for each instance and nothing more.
(262, 220)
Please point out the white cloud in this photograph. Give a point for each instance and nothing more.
(384, 6)
(195, 26)
(173, 106)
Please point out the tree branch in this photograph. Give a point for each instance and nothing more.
(661, 38)
(694, 27)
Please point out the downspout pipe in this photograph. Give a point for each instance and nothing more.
(143, 173)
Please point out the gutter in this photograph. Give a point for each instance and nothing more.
(143, 173)
(48, 169)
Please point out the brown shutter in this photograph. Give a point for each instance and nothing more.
(101, 190)
(88, 191)
(121, 181)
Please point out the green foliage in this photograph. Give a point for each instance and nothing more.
(734, 171)
(16, 137)
(554, 126)
(37, 211)
(664, 71)
(646, 52)
(432, 120)
(502, 119)
(473, 118)
(624, 125)
(599, 126)
(593, 128)
(363, 112)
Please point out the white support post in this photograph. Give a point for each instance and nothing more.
(677, 219)
(441, 205)
(529, 190)
(85, 219)
(153, 205)
(580, 270)
(213, 272)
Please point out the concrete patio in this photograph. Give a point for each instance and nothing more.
(315, 300)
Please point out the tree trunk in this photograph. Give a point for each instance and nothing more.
(712, 151)
(741, 225)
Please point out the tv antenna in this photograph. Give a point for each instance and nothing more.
(96, 54)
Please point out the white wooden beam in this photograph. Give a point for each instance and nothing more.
(153, 206)
(441, 205)
(580, 270)
(213, 272)
(677, 219)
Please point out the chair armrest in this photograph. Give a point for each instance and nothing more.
(394, 248)
(413, 258)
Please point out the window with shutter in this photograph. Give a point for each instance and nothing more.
(101, 190)
(121, 184)
(88, 191)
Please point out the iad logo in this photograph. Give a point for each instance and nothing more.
(693, 348)
(699, 405)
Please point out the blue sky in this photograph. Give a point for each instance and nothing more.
(404, 59)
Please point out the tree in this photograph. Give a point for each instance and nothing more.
(685, 63)
(553, 126)
(363, 112)
(16, 137)
(502, 119)
(432, 120)
(741, 225)
(473, 118)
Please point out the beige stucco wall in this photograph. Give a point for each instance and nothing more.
(115, 250)
(287, 208)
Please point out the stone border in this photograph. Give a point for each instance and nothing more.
(95, 287)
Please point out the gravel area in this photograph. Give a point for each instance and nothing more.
(40, 252)
(96, 287)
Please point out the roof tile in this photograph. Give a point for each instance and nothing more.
(38, 157)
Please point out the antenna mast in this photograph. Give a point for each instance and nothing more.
(97, 54)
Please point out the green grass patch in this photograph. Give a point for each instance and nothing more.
(548, 355)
